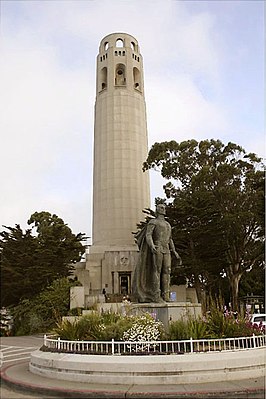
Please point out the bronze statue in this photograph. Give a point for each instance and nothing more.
(151, 281)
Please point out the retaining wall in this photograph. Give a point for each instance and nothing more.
(153, 369)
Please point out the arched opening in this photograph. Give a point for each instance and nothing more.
(119, 43)
(136, 78)
(103, 78)
(132, 45)
(120, 75)
(106, 45)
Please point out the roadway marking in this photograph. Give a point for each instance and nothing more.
(12, 360)
(17, 348)
(7, 348)
(15, 353)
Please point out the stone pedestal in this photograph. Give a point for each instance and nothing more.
(168, 311)
(184, 304)
(165, 312)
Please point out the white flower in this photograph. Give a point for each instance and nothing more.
(144, 329)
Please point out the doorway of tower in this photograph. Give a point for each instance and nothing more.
(124, 283)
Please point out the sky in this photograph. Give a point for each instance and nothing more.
(203, 79)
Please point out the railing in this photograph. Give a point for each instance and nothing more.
(113, 347)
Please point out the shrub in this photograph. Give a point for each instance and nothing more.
(215, 325)
(198, 328)
(68, 330)
(110, 317)
(186, 329)
(88, 327)
(75, 311)
(107, 326)
(91, 326)
(95, 326)
(228, 326)
(116, 330)
(41, 313)
(178, 330)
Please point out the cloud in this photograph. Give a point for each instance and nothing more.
(184, 111)
(48, 90)
(47, 124)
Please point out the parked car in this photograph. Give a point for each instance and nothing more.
(258, 319)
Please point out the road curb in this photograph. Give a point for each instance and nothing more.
(129, 392)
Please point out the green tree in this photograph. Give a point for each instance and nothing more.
(253, 282)
(195, 222)
(217, 194)
(58, 247)
(20, 273)
(41, 313)
(31, 260)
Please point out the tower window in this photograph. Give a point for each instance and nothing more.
(119, 43)
(124, 53)
(132, 45)
(135, 57)
(120, 75)
(103, 78)
(106, 45)
(136, 78)
(115, 52)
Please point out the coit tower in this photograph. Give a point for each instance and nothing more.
(120, 188)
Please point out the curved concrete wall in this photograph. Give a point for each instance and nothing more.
(155, 369)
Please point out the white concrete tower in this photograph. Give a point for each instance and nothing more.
(120, 188)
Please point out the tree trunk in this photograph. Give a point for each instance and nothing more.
(201, 294)
(234, 284)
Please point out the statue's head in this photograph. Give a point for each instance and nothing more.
(160, 209)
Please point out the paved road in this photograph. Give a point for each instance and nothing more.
(12, 351)
(16, 349)
(7, 393)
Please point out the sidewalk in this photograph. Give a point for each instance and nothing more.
(19, 378)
